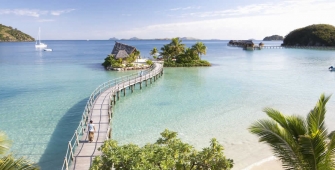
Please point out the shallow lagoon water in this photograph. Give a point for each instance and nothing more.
(43, 95)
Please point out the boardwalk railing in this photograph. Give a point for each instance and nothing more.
(300, 47)
(118, 84)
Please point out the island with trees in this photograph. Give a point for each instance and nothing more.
(125, 57)
(312, 35)
(175, 54)
(10, 34)
(274, 38)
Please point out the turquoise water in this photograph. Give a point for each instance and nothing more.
(43, 94)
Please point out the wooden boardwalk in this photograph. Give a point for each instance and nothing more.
(80, 152)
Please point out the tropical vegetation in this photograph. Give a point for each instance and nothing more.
(300, 143)
(168, 152)
(176, 54)
(110, 60)
(154, 53)
(312, 35)
(9, 162)
(8, 33)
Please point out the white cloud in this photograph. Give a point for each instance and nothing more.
(59, 12)
(33, 12)
(23, 12)
(251, 21)
(269, 8)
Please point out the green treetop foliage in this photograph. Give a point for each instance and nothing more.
(313, 35)
(9, 162)
(200, 48)
(154, 52)
(10, 34)
(299, 143)
(169, 152)
(176, 46)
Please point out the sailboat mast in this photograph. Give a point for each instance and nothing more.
(39, 35)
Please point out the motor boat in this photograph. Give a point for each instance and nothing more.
(48, 49)
(331, 68)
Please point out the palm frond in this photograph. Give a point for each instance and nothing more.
(297, 126)
(279, 139)
(330, 154)
(10, 163)
(313, 150)
(315, 118)
(5, 143)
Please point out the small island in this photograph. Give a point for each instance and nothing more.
(175, 54)
(10, 34)
(312, 35)
(274, 38)
(125, 57)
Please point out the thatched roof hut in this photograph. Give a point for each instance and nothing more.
(122, 50)
(261, 44)
(249, 43)
(121, 54)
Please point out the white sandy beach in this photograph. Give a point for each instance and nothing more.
(270, 163)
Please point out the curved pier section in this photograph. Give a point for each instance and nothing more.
(80, 153)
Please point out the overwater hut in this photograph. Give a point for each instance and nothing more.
(122, 50)
(261, 45)
(249, 45)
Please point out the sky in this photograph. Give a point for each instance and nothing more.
(146, 19)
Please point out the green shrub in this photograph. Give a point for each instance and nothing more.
(168, 152)
(191, 64)
(149, 62)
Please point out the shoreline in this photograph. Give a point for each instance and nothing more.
(270, 162)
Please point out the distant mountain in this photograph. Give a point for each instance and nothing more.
(274, 38)
(113, 38)
(252, 39)
(188, 38)
(8, 33)
(135, 39)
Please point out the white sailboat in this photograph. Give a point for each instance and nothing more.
(38, 42)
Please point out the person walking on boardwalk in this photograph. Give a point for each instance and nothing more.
(91, 130)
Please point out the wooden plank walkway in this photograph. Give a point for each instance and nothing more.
(80, 156)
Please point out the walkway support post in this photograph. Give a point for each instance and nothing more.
(66, 164)
(77, 139)
(71, 151)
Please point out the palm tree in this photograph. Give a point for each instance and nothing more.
(153, 52)
(188, 56)
(8, 162)
(199, 48)
(166, 52)
(299, 143)
(176, 46)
